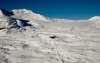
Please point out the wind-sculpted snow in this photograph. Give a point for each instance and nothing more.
(53, 41)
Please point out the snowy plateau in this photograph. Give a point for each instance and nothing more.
(27, 37)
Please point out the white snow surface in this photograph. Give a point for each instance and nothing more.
(28, 14)
(50, 41)
(95, 18)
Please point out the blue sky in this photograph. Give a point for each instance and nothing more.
(69, 9)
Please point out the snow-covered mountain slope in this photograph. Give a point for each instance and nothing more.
(97, 18)
(28, 15)
(50, 41)
(19, 18)
(96, 21)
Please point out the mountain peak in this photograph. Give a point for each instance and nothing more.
(28, 14)
(19, 18)
(95, 18)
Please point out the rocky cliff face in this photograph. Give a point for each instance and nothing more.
(26, 37)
